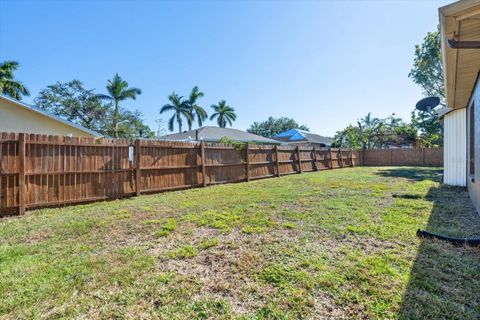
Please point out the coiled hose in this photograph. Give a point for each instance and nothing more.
(473, 242)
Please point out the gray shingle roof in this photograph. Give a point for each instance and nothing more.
(214, 134)
(316, 138)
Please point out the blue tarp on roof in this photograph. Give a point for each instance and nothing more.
(297, 135)
(292, 135)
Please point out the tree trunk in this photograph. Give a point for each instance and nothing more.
(190, 122)
(115, 120)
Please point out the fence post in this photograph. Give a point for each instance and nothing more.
(423, 157)
(391, 157)
(340, 157)
(351, 157)
(299, 160)
(315, 158)
(138, 171)
(21, 174)
(277, 162)
(247, 161)
(202, 158)
(330, 155)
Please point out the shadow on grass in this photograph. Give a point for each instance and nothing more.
(413, 173)
(444, 280)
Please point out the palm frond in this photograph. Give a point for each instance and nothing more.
(223, 113)
(167, 107)
(8, 85)
(130, 93)
(102, 96)
(171, 122)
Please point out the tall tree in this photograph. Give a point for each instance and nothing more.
(8, 85)
(180, 108)
(427, 72)
(223, 113)
(73, 102)
(118, 90)
(273, 126)
(195, 111)
(368, 127)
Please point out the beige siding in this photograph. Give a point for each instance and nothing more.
(14, 118)
(455, 161)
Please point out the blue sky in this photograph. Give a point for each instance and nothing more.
(325, 63)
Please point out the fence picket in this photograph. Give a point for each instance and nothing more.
(40, 170)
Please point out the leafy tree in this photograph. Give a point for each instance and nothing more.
(427, 69)
(223, 113)
(180, 108)
(73, 102)
(376, 133)
(195, 111)
(273, 126)
(369, 127)
(350, 137)
(240, 146)
(427, 72)
(118, 90)
(429, 127)
(8, 85)
(130, 125)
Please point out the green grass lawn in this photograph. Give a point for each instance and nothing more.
(332, 244)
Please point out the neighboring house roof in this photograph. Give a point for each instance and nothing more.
(56, 118)
(214, 134)
(296, 135)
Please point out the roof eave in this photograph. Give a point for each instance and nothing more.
(66, 122)
(450, 17)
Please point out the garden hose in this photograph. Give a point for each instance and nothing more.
(473, 242)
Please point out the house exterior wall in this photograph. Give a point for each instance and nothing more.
(473, 181)
(454, 151)
(14, 118)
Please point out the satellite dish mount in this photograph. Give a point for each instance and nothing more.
(427, 104)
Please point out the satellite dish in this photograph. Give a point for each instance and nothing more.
(427, 104)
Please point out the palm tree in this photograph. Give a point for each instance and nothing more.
(8, 85)
(118, 90)
(179, 105)
(194, 109)
(224, 113)
(369, 127)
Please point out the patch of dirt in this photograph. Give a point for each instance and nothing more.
(37, 237)
(325, 308)
(230, 270)
(227, 271)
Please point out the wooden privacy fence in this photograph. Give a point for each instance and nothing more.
(40, 171)
(427, 157)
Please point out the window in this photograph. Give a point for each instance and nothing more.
(471, 159)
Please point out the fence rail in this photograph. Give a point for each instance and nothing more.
(39, 170)
(427, 157)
